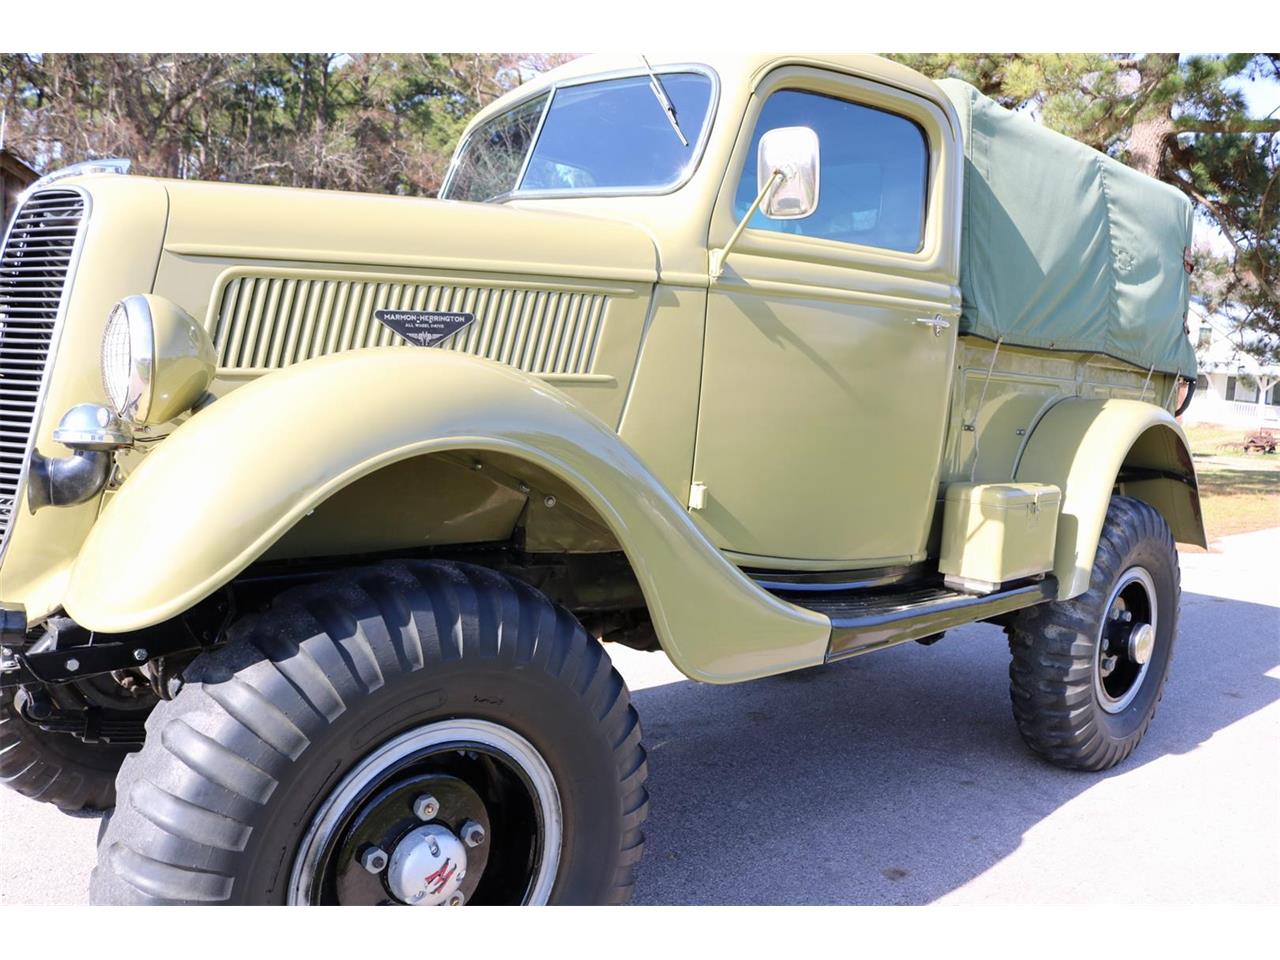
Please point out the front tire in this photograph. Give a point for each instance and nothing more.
(1085, 678)
(313, 740)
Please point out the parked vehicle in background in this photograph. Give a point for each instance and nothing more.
(1264, 441)
(320, 509)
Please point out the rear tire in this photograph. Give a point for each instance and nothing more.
(1081, 698)
(245, 770)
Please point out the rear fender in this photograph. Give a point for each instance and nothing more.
(229, 482)
(1091, 448)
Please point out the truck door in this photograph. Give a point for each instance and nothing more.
(830, 340)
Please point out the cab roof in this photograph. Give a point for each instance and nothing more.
(733, 70)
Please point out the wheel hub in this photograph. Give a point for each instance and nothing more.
(427, 867)
(1142, 640)
(1126, 640)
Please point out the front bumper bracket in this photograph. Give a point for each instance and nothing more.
(67, 652)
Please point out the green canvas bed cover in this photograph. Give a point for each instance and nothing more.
(1064, 248)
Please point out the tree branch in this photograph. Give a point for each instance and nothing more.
(1233, 125)
(1224, 220)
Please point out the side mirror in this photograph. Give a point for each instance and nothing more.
(792, 152)
(786, 180)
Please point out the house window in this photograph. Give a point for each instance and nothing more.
(1231, 388)
(1206, 335)
(1273, 395)
(1202, 383)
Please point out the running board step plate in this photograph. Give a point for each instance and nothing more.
(864, 620)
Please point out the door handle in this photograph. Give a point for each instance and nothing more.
(935, 321)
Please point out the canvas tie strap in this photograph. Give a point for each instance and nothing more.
(982, 399)
(1146, 382)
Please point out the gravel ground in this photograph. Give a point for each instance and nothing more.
(899, 778)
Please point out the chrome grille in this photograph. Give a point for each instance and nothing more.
(267, 322)
(34, 265)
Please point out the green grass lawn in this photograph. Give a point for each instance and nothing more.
(1239, 492)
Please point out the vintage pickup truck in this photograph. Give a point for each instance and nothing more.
(319, 509)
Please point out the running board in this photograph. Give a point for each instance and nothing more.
(864, 620)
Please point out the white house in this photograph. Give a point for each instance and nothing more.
(1233, 389)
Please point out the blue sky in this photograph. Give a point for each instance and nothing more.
(1262, 96)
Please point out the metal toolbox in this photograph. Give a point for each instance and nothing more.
(996, 532)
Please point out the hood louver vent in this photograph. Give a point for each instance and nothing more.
(265, 323)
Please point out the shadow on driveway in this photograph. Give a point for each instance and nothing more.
(897, 777)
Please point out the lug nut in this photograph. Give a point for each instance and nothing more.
(426, 807)
(457, 900)
(373, 859)
(472, 833)
(140, 655)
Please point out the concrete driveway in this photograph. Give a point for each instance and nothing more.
(898, 778)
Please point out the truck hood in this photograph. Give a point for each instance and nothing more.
(234, 221)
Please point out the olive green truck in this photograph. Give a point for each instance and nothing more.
(319, 510)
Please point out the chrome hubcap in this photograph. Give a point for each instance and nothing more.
(1126, 640)
(1142, 639)
(427, 866)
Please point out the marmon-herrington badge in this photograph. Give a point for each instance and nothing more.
(425, 328)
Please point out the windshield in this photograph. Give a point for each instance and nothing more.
(609, 135)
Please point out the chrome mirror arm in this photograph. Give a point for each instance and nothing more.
(718, 257)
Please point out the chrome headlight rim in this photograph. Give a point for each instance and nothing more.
(133, 401)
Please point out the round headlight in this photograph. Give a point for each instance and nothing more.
(117, 358)
(156, 360)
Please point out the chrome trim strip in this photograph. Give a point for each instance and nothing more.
(55, 339)
(537, 133)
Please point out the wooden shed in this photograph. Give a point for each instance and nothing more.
(15, 176)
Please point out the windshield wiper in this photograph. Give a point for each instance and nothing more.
(663, 100)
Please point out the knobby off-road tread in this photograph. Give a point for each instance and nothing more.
(215, 754)
(55, 767)
(1051, 671)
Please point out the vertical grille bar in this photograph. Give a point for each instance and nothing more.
(35, 262)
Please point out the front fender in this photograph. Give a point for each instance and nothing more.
(233, 479)
(1087, 447)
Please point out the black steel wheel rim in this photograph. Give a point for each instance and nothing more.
(480, 773)
(1117, 674)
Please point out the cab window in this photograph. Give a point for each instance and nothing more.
(873, 186)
